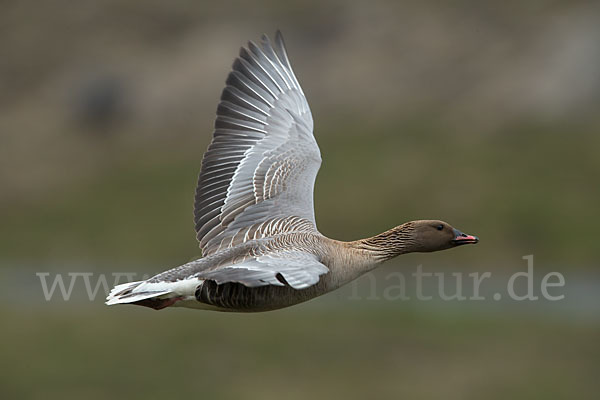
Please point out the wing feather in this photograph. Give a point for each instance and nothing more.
(296, 268)
(260, 168)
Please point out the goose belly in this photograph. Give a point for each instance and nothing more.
(233, 296)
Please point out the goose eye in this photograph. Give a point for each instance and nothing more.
(440, 227)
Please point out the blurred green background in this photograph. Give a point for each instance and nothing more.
(484, 115)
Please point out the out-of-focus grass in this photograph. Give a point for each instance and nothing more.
(529, 188)
(367, 352)
(134, 210)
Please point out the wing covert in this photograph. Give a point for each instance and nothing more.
(297, 269)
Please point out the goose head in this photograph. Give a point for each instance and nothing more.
(434, 235)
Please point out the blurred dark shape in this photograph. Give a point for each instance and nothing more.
(100, 104)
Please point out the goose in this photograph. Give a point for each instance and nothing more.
(253, 208)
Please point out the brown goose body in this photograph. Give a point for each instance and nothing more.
(346, 262)
(254, 211)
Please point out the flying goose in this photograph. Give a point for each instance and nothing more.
(253, 208)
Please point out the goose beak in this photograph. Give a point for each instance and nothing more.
(462, 238)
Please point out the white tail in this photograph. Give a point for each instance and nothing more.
(132, 292)
(156, 295)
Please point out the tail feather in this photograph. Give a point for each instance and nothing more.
(156, 295)
(126, 293)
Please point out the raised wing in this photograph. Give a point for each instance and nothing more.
(258, 173)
